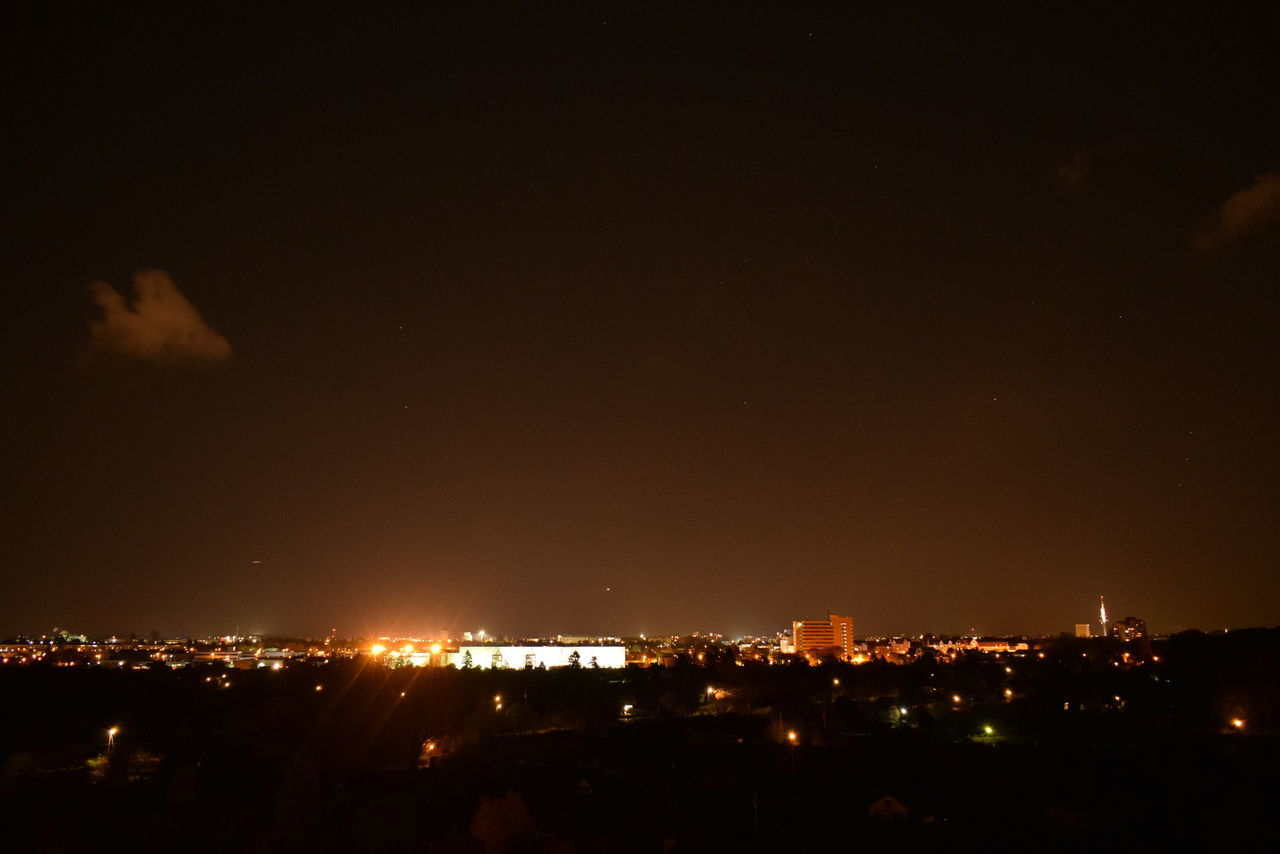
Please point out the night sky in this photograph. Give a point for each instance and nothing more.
(452, 318)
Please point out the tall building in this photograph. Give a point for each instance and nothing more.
(1102, 615)
(1082, 630)
(1129, 629)
(816, 638)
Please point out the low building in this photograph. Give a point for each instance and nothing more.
(518, 657)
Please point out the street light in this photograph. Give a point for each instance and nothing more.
(111, 737)
(1238, 723)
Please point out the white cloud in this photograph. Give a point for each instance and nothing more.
(1246, 210)
(161, 325)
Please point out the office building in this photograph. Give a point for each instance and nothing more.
(815, 639)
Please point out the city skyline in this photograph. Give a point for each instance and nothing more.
(842, 626)
(640, 320)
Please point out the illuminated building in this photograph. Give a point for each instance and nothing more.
(1129, 629)
(519, 657)
(816, 638)
(1102, 615)
(1083, 630)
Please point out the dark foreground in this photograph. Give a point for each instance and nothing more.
(768, 759)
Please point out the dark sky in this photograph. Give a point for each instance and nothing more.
(937, 316)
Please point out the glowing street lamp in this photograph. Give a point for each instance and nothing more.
(1237, 723)
(989, 729)
(111, 736)
(792, 736)
(377, 649)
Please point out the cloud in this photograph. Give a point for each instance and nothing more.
(1246, 210)
(161, 326)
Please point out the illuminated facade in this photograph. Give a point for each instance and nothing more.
(1129, 629)
(816, 638)
(1083, 630)
(518, 657)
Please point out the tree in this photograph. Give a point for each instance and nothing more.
(503, 824)
(575, 659)
(467, 663)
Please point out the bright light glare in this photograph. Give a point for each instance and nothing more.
(377, 649)
(1238, 723)
(791, 736)
(988, 729)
